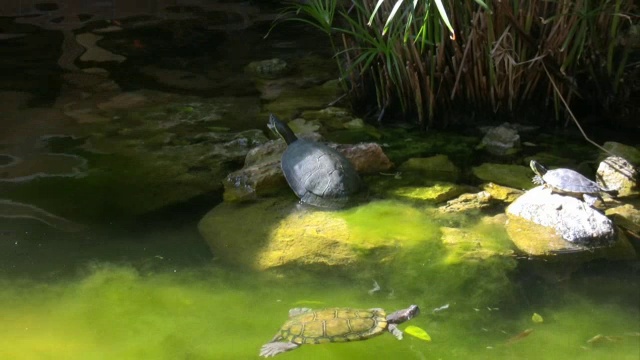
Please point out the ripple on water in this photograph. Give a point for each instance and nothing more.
(7, 160)
(42, 165)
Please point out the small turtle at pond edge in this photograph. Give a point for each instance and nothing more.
(568, 182)
(307, 326)
(318, 174)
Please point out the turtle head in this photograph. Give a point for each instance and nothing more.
(281, 129)
(403, 315)
(537, 168)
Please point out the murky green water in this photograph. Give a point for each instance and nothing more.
(156, 294)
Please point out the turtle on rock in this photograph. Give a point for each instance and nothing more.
(307, 326)
(319, 175)
(568, 182)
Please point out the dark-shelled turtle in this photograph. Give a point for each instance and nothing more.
(307, 326)
(318, 174)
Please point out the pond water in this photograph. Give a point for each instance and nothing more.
(156, 294)
(151, 288)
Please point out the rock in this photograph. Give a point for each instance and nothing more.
(615, 173)
(625, 216)
(468, 202)
(283, 234)
(435, 192)
(514, 176)
(437, 167)
(571, 218)
(252, 182)
(268, 69)
(544, 224)
(502, 193)
(630, 153)
(367, 158)
(539, 241)
(501, 140)
(262, 174)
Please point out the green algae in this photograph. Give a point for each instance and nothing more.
(390, 222)
(115, 311)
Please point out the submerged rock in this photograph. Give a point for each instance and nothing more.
(437, 167)
(268, 69)
(514, 176)
(501, 140)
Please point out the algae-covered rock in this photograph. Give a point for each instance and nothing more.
(468, 202)
(284, 234)
(485, 239)
(514, 176)
(437, 167)
(435, 192)
(268, 69)
(626, 216)
(616, 173)
(502, 193)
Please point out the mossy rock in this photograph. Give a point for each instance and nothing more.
(283, 234)
(437, 167)
(514, 176)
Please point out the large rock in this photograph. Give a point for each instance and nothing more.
(282, 233)
(544, 223)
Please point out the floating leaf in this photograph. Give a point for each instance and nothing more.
(536, 318)
(417, 332)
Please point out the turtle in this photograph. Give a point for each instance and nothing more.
(317, 174)
(568, 182)
(308, 326)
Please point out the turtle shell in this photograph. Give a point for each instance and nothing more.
(569, 181)
(318, 174)
(333, 325)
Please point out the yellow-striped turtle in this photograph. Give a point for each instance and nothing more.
(568, 182)
(307, 326)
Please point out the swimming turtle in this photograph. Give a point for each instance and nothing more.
(568, 182)
(318, 174)
(307, 326)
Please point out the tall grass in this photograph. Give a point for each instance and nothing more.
(496, 64)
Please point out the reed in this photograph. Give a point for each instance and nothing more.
(494, 62)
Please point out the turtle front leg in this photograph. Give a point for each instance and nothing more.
(275, 348)
(393, 329)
